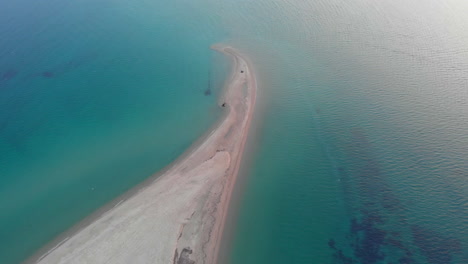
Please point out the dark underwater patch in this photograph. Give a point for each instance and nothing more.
(342, 258)
(47, 74)
(436, 247)
(8, 75)
(369, 241)
(332, 243)
(67, 66)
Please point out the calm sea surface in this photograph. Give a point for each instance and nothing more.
(361, 154)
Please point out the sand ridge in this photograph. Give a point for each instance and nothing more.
(179, 217)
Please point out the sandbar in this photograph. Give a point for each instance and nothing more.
(179, 216)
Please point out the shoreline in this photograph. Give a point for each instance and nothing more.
(238, 191)
(200, 181)
(228, 194)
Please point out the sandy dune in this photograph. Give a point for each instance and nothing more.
(179, 217)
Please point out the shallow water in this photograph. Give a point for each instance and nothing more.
(104, 96)
(363, 150)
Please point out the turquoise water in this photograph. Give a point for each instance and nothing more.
(363, 154)
(361, 151)
(95, 97)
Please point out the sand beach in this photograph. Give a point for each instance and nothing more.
(179, 215)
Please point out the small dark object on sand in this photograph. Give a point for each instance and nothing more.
(242, 71)
(185, 256)
(48, 74)
(223, 105)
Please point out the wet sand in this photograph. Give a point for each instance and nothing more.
(179, 217)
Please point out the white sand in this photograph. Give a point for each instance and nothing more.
(179, 217)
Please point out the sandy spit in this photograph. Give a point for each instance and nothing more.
(179, 217)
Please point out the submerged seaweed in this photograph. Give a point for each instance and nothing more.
(47, 74)
(8, 75)
(368, 239)
(437, 248)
